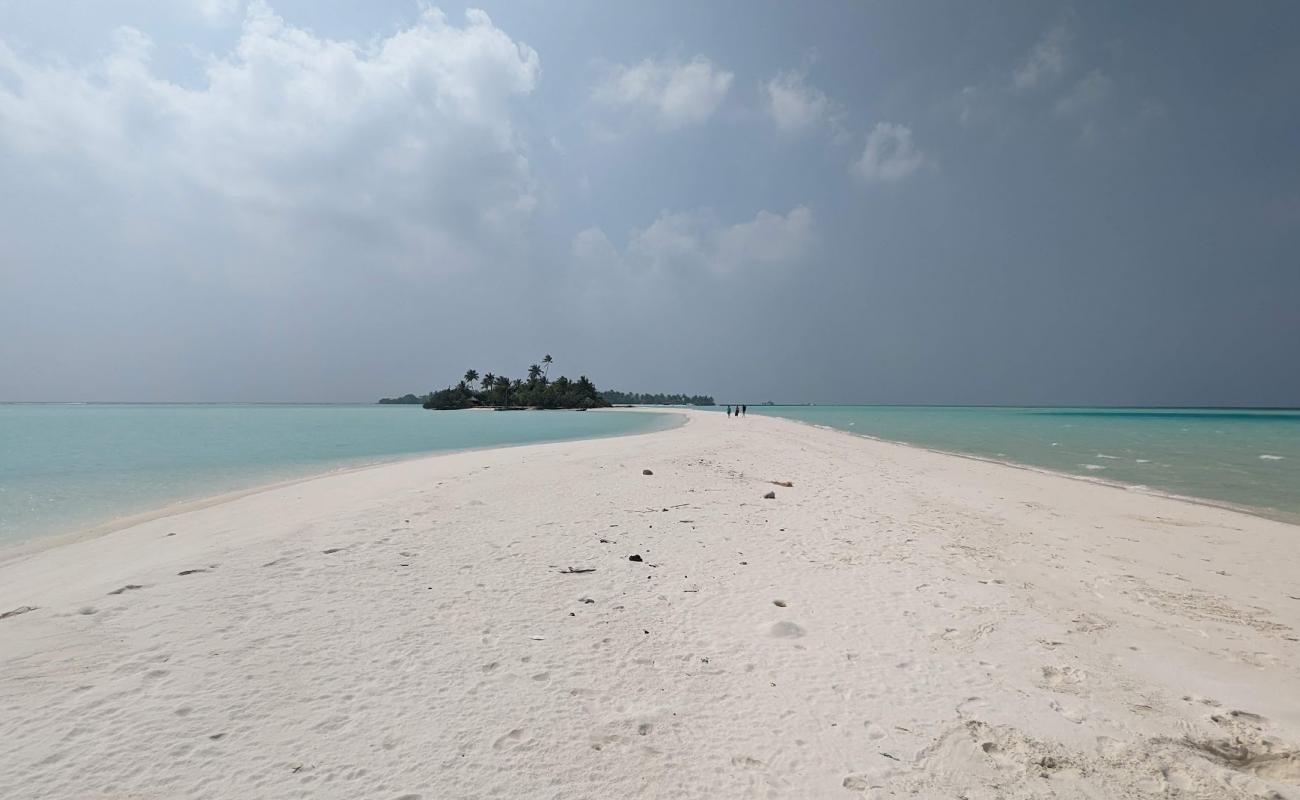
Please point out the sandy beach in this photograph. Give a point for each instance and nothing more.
(549, 621)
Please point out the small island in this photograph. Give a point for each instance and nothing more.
(536, 391)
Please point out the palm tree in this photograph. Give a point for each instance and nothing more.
(503, 389)
(471, 375)
(546, 361)
(534, 372)
(488, 380)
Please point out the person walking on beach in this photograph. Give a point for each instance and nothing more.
(744, 411)
(728, 412)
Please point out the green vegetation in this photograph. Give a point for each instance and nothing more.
(636, 398)
(489, 390)
(498, 391)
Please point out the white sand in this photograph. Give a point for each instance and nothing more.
(949, 628)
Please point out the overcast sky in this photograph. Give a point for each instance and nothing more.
(961, 202)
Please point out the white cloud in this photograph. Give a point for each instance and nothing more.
(1045, 62)
(674, 94)
(794, 105)
(404, 144)
(693, 241)
(769, 239)
(592, 246)
(890, 155)
(218, 12)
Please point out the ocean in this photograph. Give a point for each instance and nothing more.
(1243, 458)
(67, 467)
(64, 468)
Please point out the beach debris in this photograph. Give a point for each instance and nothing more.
(190, 571)
(332, 550)
(786, 484)
(770, 496)
(586, 600)
(538, 638)
(576, 570)
(608, 541)
(635, 557)
(779, 603)
(17, 611)
(647, 472)
(127, 588)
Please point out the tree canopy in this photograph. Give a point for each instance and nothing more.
(637, 398)
(536, 391)
(492, 390)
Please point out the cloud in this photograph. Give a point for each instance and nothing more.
(218, 12)
(404, 146)
(1085, 96)
(768, 239)
(695, 241)
(1045, 62)
(890, 156)
(592, 246)
(674, 94)
(794, 106)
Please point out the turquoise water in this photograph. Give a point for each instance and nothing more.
(68, 467)
(1240, 457)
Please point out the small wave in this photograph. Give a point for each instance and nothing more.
(1267, 457)
(1142, 460)
(1056, 444)
(1103, 455)
(1093, 466)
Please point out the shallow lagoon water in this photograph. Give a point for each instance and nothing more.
(64, 467)
(1239, 457)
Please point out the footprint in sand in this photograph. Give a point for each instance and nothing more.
(1071, 711)
(509, 740)
(1063, 679)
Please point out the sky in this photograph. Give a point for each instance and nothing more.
(952, 203)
